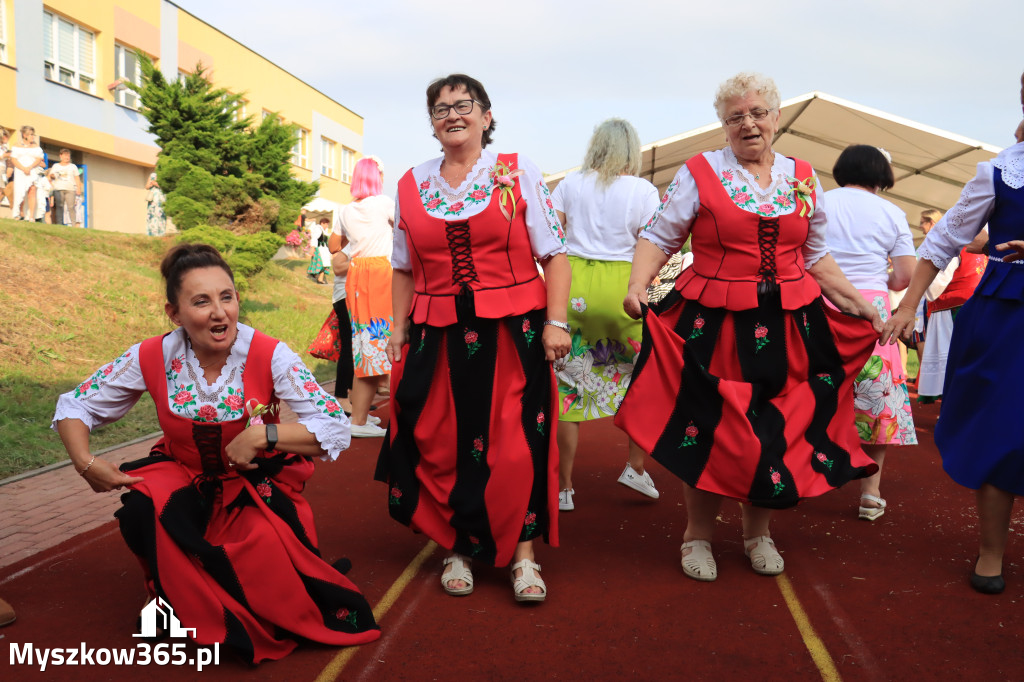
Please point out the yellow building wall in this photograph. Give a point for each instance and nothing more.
(117, 198)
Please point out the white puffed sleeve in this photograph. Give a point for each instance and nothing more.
(107, 395)
(400, 246)
(964, 221)
(315, 408)
(816, 246)
(546, 234)
(669, 227)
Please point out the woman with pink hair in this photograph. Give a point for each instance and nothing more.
(366, 224)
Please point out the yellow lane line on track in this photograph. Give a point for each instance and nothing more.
(333, 669)
(814, 645)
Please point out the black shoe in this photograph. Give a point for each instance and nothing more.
(988, 584)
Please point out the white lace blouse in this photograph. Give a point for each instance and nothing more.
(113, 389)
(670, 227)
(965, 220)
(474, 195)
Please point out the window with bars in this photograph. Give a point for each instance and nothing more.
(300, 152)
(126, 68)
(3, 32)
(348, 161)
(327, 157)
(69, 53)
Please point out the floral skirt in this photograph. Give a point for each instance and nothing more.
(881, 400)
(594, 376)
(368, 295)
(755, 405)
(470, 457)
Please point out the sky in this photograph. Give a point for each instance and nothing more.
(556, 68)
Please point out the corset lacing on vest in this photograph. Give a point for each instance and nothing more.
(767, 240)
(207, 438)
(463, 270)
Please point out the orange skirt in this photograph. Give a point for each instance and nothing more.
(368, 296)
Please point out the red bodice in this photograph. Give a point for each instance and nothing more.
(486, 258)
(735, 251)
(199, 445)
(961, 286)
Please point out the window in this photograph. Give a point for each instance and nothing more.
(327, 157)
(126, 68)
(68, 53)
(300, 152)
(239, 113)
(267, 114)
(3, 32)
(348, 160)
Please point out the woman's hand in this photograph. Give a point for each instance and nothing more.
(399, 337)
(102, 477)
(246, 446)
(557, 342)
(635, 296)
(899, 325)
(1016, 248)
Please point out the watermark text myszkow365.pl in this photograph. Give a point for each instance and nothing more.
(142, 653)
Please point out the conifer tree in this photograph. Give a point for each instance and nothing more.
(214, 169)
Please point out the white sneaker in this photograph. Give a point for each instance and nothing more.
(641, 483)
(370, 419)
(367, 430)
(565, 500)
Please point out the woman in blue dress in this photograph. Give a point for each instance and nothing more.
(978, 450)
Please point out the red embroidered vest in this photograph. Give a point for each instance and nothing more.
(736, 252)
(961, 286)
(199, 446)
(485, 261)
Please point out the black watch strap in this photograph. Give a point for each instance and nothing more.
(271, 437)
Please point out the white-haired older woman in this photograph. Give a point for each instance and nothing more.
(744, 386)
(603, 207)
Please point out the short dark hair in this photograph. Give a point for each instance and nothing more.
(475, 89)
(184, 258)
(864, 165)
(323, 220)
(65, 151)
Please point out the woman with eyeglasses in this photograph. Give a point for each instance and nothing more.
(470, 459)
(744, 386)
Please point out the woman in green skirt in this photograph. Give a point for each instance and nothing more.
(603, 207)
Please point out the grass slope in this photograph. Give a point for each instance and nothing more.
(72, 300)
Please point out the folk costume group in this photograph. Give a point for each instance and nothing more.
(742, 381)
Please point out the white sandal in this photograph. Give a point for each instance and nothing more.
(764, 558)
(529, 578)
(871, 513)
(460, 571)
(699, 564)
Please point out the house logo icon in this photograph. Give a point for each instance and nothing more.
(158, 615)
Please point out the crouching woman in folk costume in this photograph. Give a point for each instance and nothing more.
(215, 514)
(471, 459)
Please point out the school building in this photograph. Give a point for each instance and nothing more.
(62, 65)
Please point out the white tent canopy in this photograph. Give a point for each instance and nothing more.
(931, 165)
(321, 208)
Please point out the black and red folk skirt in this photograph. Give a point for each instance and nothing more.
(236, 556)
(470, 458)
(756, 405)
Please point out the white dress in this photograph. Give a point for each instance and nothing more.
(22, 181)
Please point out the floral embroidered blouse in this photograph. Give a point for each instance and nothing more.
(471, 197)
(669, 228)
(112, 390)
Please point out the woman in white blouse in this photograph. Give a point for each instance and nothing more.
(27, 159)
(215, 514)
(744, 386)
(865, 234)
(603, 207)
(978, 434)
(470, 459)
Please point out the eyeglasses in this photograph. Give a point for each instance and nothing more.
(462, 107)
(754, 114)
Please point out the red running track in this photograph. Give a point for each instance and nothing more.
(867, 601)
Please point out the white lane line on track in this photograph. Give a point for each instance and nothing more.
(56, 558)
(862, 653)
(815, 647)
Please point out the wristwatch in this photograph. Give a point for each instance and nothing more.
(561, 325)
(271, 437)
